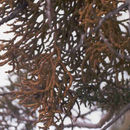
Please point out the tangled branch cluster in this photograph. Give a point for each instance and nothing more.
(62, 61)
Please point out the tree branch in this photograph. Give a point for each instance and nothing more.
(104, 119)
(83, 124)
(15, 13)
(109, 15)
(111, 49)
(7, 93)
(122, 112)
(101, 21)
(49, 12)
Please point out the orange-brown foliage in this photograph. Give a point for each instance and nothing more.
(58, 73)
